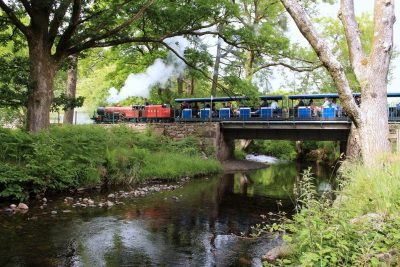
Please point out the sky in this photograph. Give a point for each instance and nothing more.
(360, 6)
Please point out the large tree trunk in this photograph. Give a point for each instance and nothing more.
(71, 87)
(371, 70)
(180, 84)
(249, 65)
(216, 68)
(43, 69)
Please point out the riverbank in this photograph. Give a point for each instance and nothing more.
(360, 228)
(71, 157)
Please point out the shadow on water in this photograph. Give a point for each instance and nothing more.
(197, 225)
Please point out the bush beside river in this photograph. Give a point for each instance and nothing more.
(81, 156)
(360, 228)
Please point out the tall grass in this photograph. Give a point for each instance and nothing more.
(72, 156)
(360, 228)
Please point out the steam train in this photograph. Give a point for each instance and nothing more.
(189, 110)
(136, 113)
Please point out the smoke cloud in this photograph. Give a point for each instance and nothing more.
(159, 73)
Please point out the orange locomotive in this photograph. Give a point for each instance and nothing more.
(149, 113)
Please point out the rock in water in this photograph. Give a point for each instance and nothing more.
(53, 212)
(13, 206)
(111, 196)
(276, 252)
(23, 206)
(109, 204)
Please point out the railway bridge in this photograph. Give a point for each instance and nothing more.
(221, 134)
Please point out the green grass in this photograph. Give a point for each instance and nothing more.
(173, 166)
(75, 156)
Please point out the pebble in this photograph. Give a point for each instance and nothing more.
(22, 206)
(90, 202)
(111, 196)
(109, 204)
(13, 206)
(67, 211)
(53, 212)
(44, 199)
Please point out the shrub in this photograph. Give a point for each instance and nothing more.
(361, 228)
(74, 156)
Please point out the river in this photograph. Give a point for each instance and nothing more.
(198, 224)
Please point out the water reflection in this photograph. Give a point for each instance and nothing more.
(193, 226)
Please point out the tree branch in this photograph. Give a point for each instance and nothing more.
(10, 13)
(382, 46)
(293, 68)
(195, 68)
(65, 38)
(352, 32)
(334, 67)
(59, 14)
(117, 29)
(27, 6)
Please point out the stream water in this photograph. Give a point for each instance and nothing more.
(196, 225)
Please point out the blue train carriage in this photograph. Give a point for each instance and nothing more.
(205, 108)
(327, 106)
(393, 106)
(315, 107)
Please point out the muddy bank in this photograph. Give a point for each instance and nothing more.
(235, 165)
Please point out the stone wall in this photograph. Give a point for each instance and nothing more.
(208, 132)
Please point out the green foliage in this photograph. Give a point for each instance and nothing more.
(285, 150)
(74, 156)
(361, 228)
(164, 165)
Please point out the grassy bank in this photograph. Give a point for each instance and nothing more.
(76, 156)
(360, 228)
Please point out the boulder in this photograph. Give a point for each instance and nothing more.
(23, 206)
(276, 252)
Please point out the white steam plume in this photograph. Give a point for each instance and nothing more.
(159, 73)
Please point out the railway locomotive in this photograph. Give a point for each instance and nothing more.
(189, 110)
(136, 113)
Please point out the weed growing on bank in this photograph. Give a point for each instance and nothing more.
(360, 228)
(75, 156)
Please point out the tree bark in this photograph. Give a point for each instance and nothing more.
(371, 71)
(216, 67)
(71, 87)
(249, 65)
(180, 84)
(191, 91)
(42, 72)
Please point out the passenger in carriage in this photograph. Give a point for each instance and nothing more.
(195, 110)
(313, 107)
(338, 109)
(358, 100)
(327, 103)
(264, 104)
(275, 107)
(300, 103)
